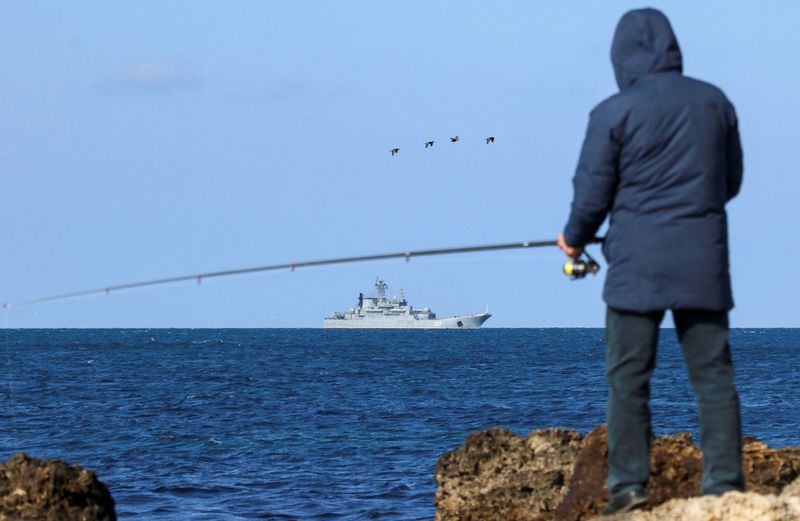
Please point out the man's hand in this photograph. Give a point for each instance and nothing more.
(569, 250)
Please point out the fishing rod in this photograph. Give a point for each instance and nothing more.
(575, 269)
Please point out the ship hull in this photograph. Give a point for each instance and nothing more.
(406, 322)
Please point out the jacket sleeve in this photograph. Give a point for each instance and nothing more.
(735, 164)
(595, 181)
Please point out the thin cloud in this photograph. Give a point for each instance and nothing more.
(283, 90)
(156, 76)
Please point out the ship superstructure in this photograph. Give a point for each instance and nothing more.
(381, 312)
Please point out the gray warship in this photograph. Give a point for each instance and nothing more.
(395, 313)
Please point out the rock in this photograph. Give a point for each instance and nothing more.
(767, 471)
(51, 490)
(497, 475)
(556, 474)
(676, 467)
(733, 506)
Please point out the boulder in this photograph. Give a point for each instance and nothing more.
(676, 466)
(51, 490)
(558, 474)
(497, 475)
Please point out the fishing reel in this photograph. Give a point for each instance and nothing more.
(578, 268)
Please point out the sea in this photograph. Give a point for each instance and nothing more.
(291, 424)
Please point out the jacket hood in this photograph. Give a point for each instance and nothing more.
(643, 44)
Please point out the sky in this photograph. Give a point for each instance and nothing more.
(148, 139)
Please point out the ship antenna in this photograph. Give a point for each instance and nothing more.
(381, 286)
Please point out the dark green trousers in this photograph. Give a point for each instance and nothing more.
(631, 341)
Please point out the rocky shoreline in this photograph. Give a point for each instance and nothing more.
(558, 474)
(551, 474)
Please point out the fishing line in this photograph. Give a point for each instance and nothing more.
(577, 269)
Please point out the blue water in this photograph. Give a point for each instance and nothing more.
(316, 424)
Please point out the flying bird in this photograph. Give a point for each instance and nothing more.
(394, 151)
(490, 139)
(428, 144)
(454, 139)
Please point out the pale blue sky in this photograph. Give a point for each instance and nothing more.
(151, 139)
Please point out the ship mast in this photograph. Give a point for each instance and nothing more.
(381, 287)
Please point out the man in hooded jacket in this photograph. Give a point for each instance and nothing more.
(663, 157)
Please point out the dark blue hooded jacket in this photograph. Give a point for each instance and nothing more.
(663, 157)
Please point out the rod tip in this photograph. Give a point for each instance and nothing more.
(6, 305)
